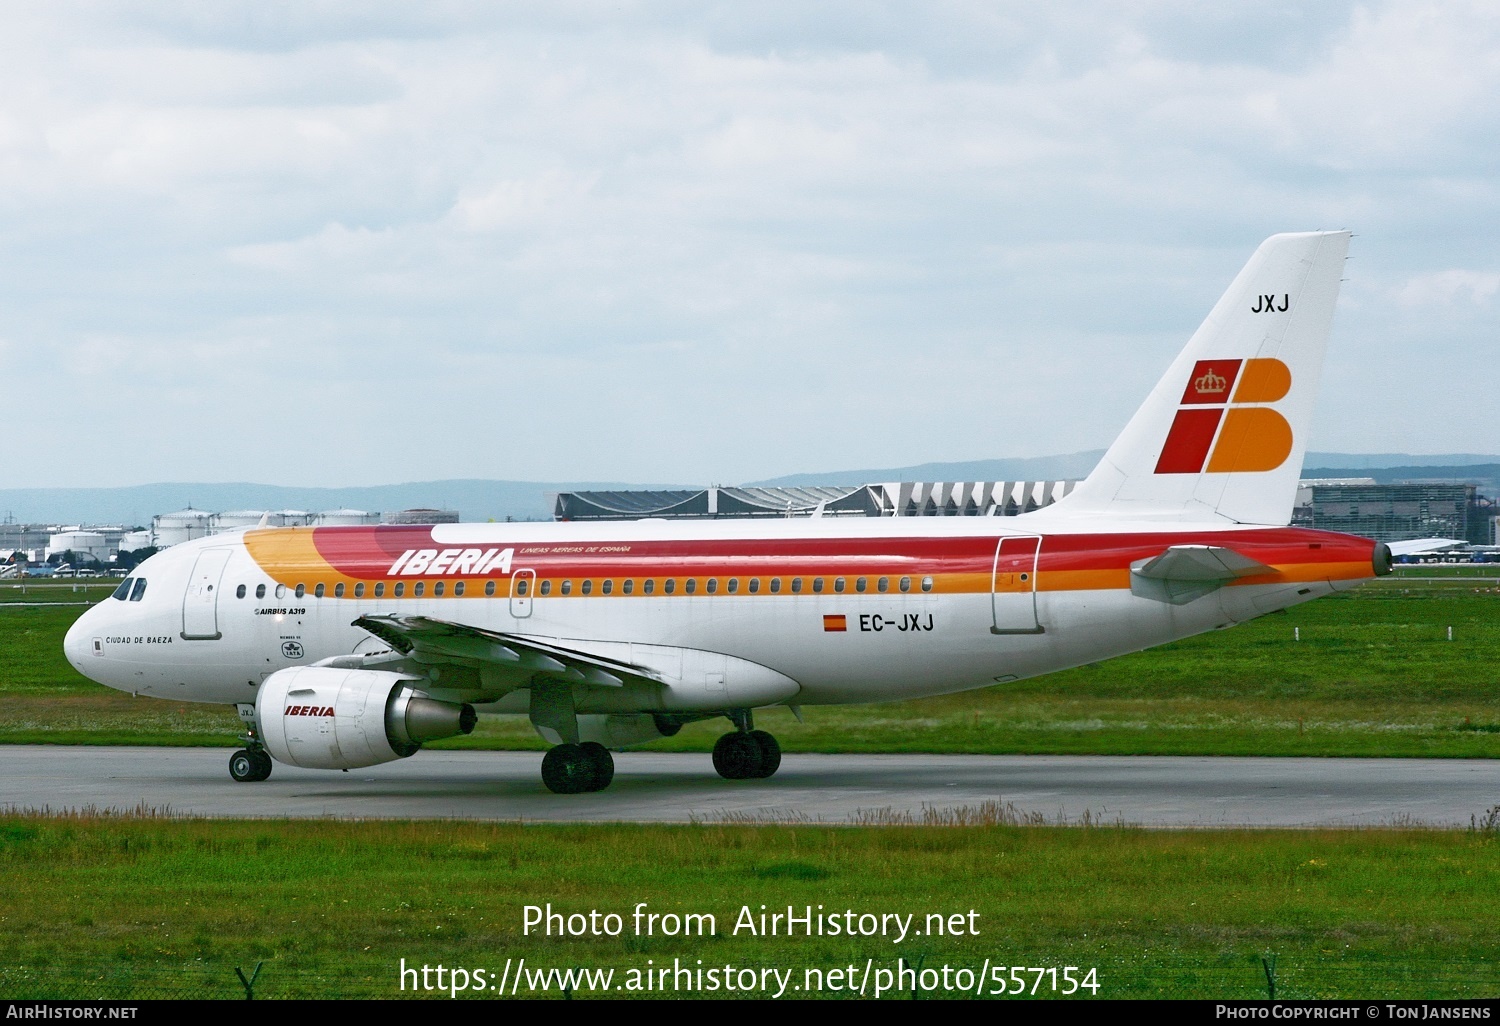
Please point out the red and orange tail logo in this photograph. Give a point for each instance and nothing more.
(1241, 437)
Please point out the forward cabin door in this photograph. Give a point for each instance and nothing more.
(1013, 585)
(200, 605)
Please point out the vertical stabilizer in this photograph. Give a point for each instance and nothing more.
(1223, 434)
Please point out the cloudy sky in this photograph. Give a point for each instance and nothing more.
(336, 244)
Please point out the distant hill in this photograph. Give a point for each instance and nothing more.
(1032, 468)
(527, 500)
(1078, 464)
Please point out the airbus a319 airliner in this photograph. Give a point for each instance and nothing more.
(344, 647)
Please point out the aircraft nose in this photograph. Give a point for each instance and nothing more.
(78, 643)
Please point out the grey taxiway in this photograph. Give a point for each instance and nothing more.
(659, 787)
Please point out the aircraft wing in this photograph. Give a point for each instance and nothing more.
(428, 640)
(1185, 572)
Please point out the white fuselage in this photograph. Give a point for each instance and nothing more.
(837, 643)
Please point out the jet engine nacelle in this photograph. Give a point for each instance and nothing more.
(321, 717)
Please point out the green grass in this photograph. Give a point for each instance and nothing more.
(1373, 675)
(138, 907)
(59, 592)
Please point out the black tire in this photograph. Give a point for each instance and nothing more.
(263, 765)
(243, 766)
(567, 769)
(770, 753)
(603, 764)
(737, 756)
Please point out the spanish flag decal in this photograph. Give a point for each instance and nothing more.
(835, 622)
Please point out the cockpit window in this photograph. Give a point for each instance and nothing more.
(123, 591)
(139, 589)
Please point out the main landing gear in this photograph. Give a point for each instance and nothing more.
(250, 764)
(574, 769)
(746, 753)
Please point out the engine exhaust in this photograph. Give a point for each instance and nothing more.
(412, 719)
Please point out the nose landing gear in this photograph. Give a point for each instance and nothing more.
(249, 765)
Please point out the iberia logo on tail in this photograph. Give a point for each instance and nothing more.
(1220, 424)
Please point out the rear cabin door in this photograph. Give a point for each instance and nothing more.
(200, 605)
(1013, 588)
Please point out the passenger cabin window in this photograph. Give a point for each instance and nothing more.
(713, 585)
(318, 591)
(588, 587)
(380, 590)
(458, 587)
(670, 586)
(400, 588)
(754, 585)
(437, 589)
(301, 590)
(927, 584)
(359, 590)
(884, 584)
(648, 587)
(775, 585)
(281, 591)
(239, 592)
(796, 585)
(418, 588)
(817, 585)
(860, 584)
(690, 586)
(628, 587)
(123, 591)
(546, 587)
(607, 587)
(906, 584)
(838, 585)
(260, 591)
(567, 587)
(734, 585)
(139, 590)
(489, 587)
(338, 590)
(521, 585)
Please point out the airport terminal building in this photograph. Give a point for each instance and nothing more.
(895, 499)
(1398, 512)
(1361, 506)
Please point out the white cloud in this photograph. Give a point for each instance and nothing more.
(1444, 288)
(787, 229)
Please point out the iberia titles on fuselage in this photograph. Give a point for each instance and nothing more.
(612, 634)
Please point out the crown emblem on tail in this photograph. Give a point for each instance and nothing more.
(1210, 383)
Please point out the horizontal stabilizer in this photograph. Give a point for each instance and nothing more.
(1187, 572)
(1200, 563)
